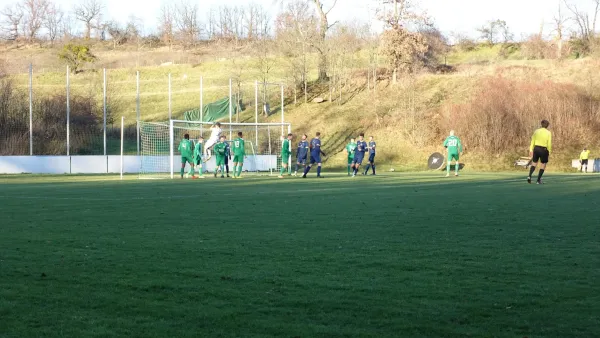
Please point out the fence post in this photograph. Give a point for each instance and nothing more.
(137, 108)
(68, 111)
(170, 96)
(122, 135)
(201, 102)
(282, 112)
(230, 108)
(256, 110)
(30, 109)
(104, 108)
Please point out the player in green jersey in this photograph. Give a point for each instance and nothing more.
(239, 152)
(198, 151)
(220, 150)
(185, 149)
(350, 147)
(286, 153)
(454, 148)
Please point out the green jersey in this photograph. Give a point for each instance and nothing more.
(453, 144)
(220, 149)
(186, 148)
(239, 147)
(198, 149)
(285, 148)
(350, 147)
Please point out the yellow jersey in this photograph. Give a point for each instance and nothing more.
(541, 138)
(584, 155)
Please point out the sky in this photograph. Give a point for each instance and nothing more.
(452, 17)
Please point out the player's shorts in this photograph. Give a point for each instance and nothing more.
(301, 160)
(540, 154)
(315, 158)
(238, 159)
(187, 159)
(198, 160)
(220, 160)
(453, 156)
(358, 159)
(350, 159)
(372, 157)
(211, 142)
(285, 158)
(584, 162)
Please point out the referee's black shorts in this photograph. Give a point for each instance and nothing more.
(584, 162)
(540, 154)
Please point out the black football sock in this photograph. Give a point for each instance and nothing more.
(540, 174)
(531, 170)
(373, 169)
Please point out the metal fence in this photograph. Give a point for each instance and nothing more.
(82, 115)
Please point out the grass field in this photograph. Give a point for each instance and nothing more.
(394, 255)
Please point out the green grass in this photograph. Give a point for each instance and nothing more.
(394, 255)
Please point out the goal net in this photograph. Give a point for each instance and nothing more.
(159, 141)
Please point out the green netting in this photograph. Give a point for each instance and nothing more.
(214, 111)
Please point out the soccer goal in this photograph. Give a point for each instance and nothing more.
(160, 158)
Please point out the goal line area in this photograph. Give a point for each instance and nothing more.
(159, 141)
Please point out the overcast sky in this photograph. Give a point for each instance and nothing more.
(524, 17)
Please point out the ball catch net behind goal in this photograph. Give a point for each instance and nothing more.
(159, 141)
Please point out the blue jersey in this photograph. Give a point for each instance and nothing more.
(372, 145)
(361, 148)
(315, 146)
(302, 149)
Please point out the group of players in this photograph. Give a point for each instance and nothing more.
(307, 155)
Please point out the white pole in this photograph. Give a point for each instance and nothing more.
(170, 116)
(171, 146)
(256, 110)
(104, 109)
(30, 109)
(201, 101)
(230, 107)
(282, 110)
(122, 136)
(68, 111)
(290, 145)
(138, 112)
(270, 153)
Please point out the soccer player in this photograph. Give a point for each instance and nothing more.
(359, 154)
(583, 159)
(198, 156)
(350, 148)
(239, 152)
(227, 157)
(371, 147)
(215, 135)
(185, 149)
(453, 148)
(315, 155)
(220, 149)
(286, 153)
(539, 150)
(301, 153)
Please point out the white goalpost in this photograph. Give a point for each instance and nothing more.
(160, 158)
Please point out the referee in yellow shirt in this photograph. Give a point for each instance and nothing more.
(541, 146)
(583, 159)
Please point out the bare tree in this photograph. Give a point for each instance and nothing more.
(89, 12)
(35, 13)
(12, 21)
(66, 27)
(558, 23)
(53, 21)
(211, 24)
(166, 22)
(586, 23)
(494, 30)
(186, 22)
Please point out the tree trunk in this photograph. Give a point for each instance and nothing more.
(323, 27)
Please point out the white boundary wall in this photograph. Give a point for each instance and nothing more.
(110, 164)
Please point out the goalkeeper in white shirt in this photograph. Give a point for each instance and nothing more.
(215, 134)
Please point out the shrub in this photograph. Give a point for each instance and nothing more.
(76, 56)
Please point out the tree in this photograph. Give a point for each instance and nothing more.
(494, 30)
(186, 22)
(166, 22)
(53, 21)
(35, 14)
(119, 34)
(586, 23)
(76, 56)
(405, 50)
(89, 12)
(12, 21)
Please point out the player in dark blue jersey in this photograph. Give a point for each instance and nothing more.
(227, 157)
(371, 148)
(301, 154)
(315, 155)
(359, 154)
